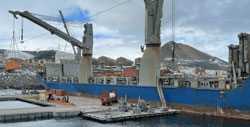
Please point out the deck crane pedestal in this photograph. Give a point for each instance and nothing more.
(86, 58)
(85, 62)
(151, 60)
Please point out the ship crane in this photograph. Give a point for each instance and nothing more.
(150, 63)
(86, 45)
(151, 59)
(50, 28)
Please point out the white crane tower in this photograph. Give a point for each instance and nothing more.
(151, 60)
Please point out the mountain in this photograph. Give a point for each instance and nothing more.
(184, 55)
(188, 56)
(46, 54)
(6, 54)
(53, 55)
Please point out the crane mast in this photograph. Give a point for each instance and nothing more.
(77, 55)
(151, 59)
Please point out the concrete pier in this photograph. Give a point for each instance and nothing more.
(10, 115)
(48, 110)
(84, 107)
(112, 116)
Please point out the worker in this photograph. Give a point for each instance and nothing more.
(142, 48)
(49, 97)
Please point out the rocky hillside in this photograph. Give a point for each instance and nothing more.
(24, 55)
(184, 55)
(189, 56)
(46, 54)
(6, 54)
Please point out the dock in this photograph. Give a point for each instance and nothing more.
(114, 116)
(84, 107)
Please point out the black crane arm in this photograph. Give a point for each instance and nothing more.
(50, 28)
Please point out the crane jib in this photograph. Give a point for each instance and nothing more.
(50, 28)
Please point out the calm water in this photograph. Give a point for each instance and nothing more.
(180, 120)
(16, 104)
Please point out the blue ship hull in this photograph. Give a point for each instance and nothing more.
(228, 103)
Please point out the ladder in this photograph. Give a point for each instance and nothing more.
(160, 92)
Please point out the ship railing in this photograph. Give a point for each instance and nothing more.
(114, 80)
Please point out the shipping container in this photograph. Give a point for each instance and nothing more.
(60, 92)
(13, 65)
(131, 73)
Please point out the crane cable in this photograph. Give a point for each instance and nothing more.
(105, 10)
(173, 20)
(13, 50)
(21, 41)
(71, 34)
(173, 29)
(98, 13)
(13, 39)
(70, 21)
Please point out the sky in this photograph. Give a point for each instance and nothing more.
(207, 25)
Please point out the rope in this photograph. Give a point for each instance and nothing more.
(173, 20)
(105, 10)
(13, 41)
(77, 23)
(13, 36)
(40, 35)
(58, 39)
(36, 36)
(21, 40)
(13, 50)
(173, 29)
(56, 19)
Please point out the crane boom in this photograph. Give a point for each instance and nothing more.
(50, 28)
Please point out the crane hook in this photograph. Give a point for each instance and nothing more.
(22, 32)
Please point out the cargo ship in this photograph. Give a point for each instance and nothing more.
(233, 103)
(227, 97)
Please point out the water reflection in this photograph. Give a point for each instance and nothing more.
(180, 120)
(16, 104)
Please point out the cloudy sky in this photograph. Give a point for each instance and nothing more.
(207, 25)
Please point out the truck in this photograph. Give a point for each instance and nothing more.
(109, 97)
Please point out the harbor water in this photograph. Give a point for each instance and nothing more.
(16, 105)
(179, 120)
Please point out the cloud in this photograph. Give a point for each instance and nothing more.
(115, 48)
(208, 25)
(104, 36)
(77, 14)
(99, 29)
